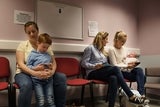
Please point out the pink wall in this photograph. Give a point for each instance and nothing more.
(149, 27)
(9, 30)
(112, 15)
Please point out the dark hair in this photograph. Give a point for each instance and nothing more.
(30, 23)
(45, 38)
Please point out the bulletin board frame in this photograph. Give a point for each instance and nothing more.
(61, 21)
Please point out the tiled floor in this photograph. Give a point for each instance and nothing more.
(102, 103)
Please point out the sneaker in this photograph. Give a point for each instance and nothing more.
(137, 100)
(146, 105)
(146, 100)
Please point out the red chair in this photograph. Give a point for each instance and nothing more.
(71, 67)
(130, 82)
(93, 83)
(5, 77)
(102, 82)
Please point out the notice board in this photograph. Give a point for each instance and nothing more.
(59, 20)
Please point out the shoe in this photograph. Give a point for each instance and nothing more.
(121, 92)
(146, 105)
(146, 100)
(137, 100)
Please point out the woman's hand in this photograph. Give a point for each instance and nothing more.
(98, 66)
(131, 65)
(45, 74)
(39, 67)
(49, 72)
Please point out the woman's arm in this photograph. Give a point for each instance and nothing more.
(85, 62)
(54, 66)
(51, 71)
(113, 60)
(20, 57)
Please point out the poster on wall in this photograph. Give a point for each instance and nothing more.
(93, 28)
(21, 17)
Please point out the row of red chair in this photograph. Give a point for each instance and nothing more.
(69, 66)
(72, 68)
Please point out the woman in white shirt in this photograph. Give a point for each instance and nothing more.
(127, 63)
(95, 62)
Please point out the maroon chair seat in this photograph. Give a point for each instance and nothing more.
(5, 77)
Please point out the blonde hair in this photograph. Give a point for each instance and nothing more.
(120, 35)
(97, 42)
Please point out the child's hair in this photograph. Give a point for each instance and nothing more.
(44, 38)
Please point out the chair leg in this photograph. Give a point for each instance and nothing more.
(9, 95)
(13, 95)
(130, 85)
(91, 93)
(82, 94)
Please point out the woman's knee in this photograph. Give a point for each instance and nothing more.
(116, 69)
(113, 78)
(24, 81)
(139, 71)
(59, 78)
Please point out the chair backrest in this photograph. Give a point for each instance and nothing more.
(152, 71)
(67, 65)
(4, 67)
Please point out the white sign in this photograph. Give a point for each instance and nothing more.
(93, 28)
(21, 17)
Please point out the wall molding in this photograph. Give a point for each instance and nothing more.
(8, 45)
(11, 45)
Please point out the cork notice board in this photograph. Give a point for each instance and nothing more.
(59, 20)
